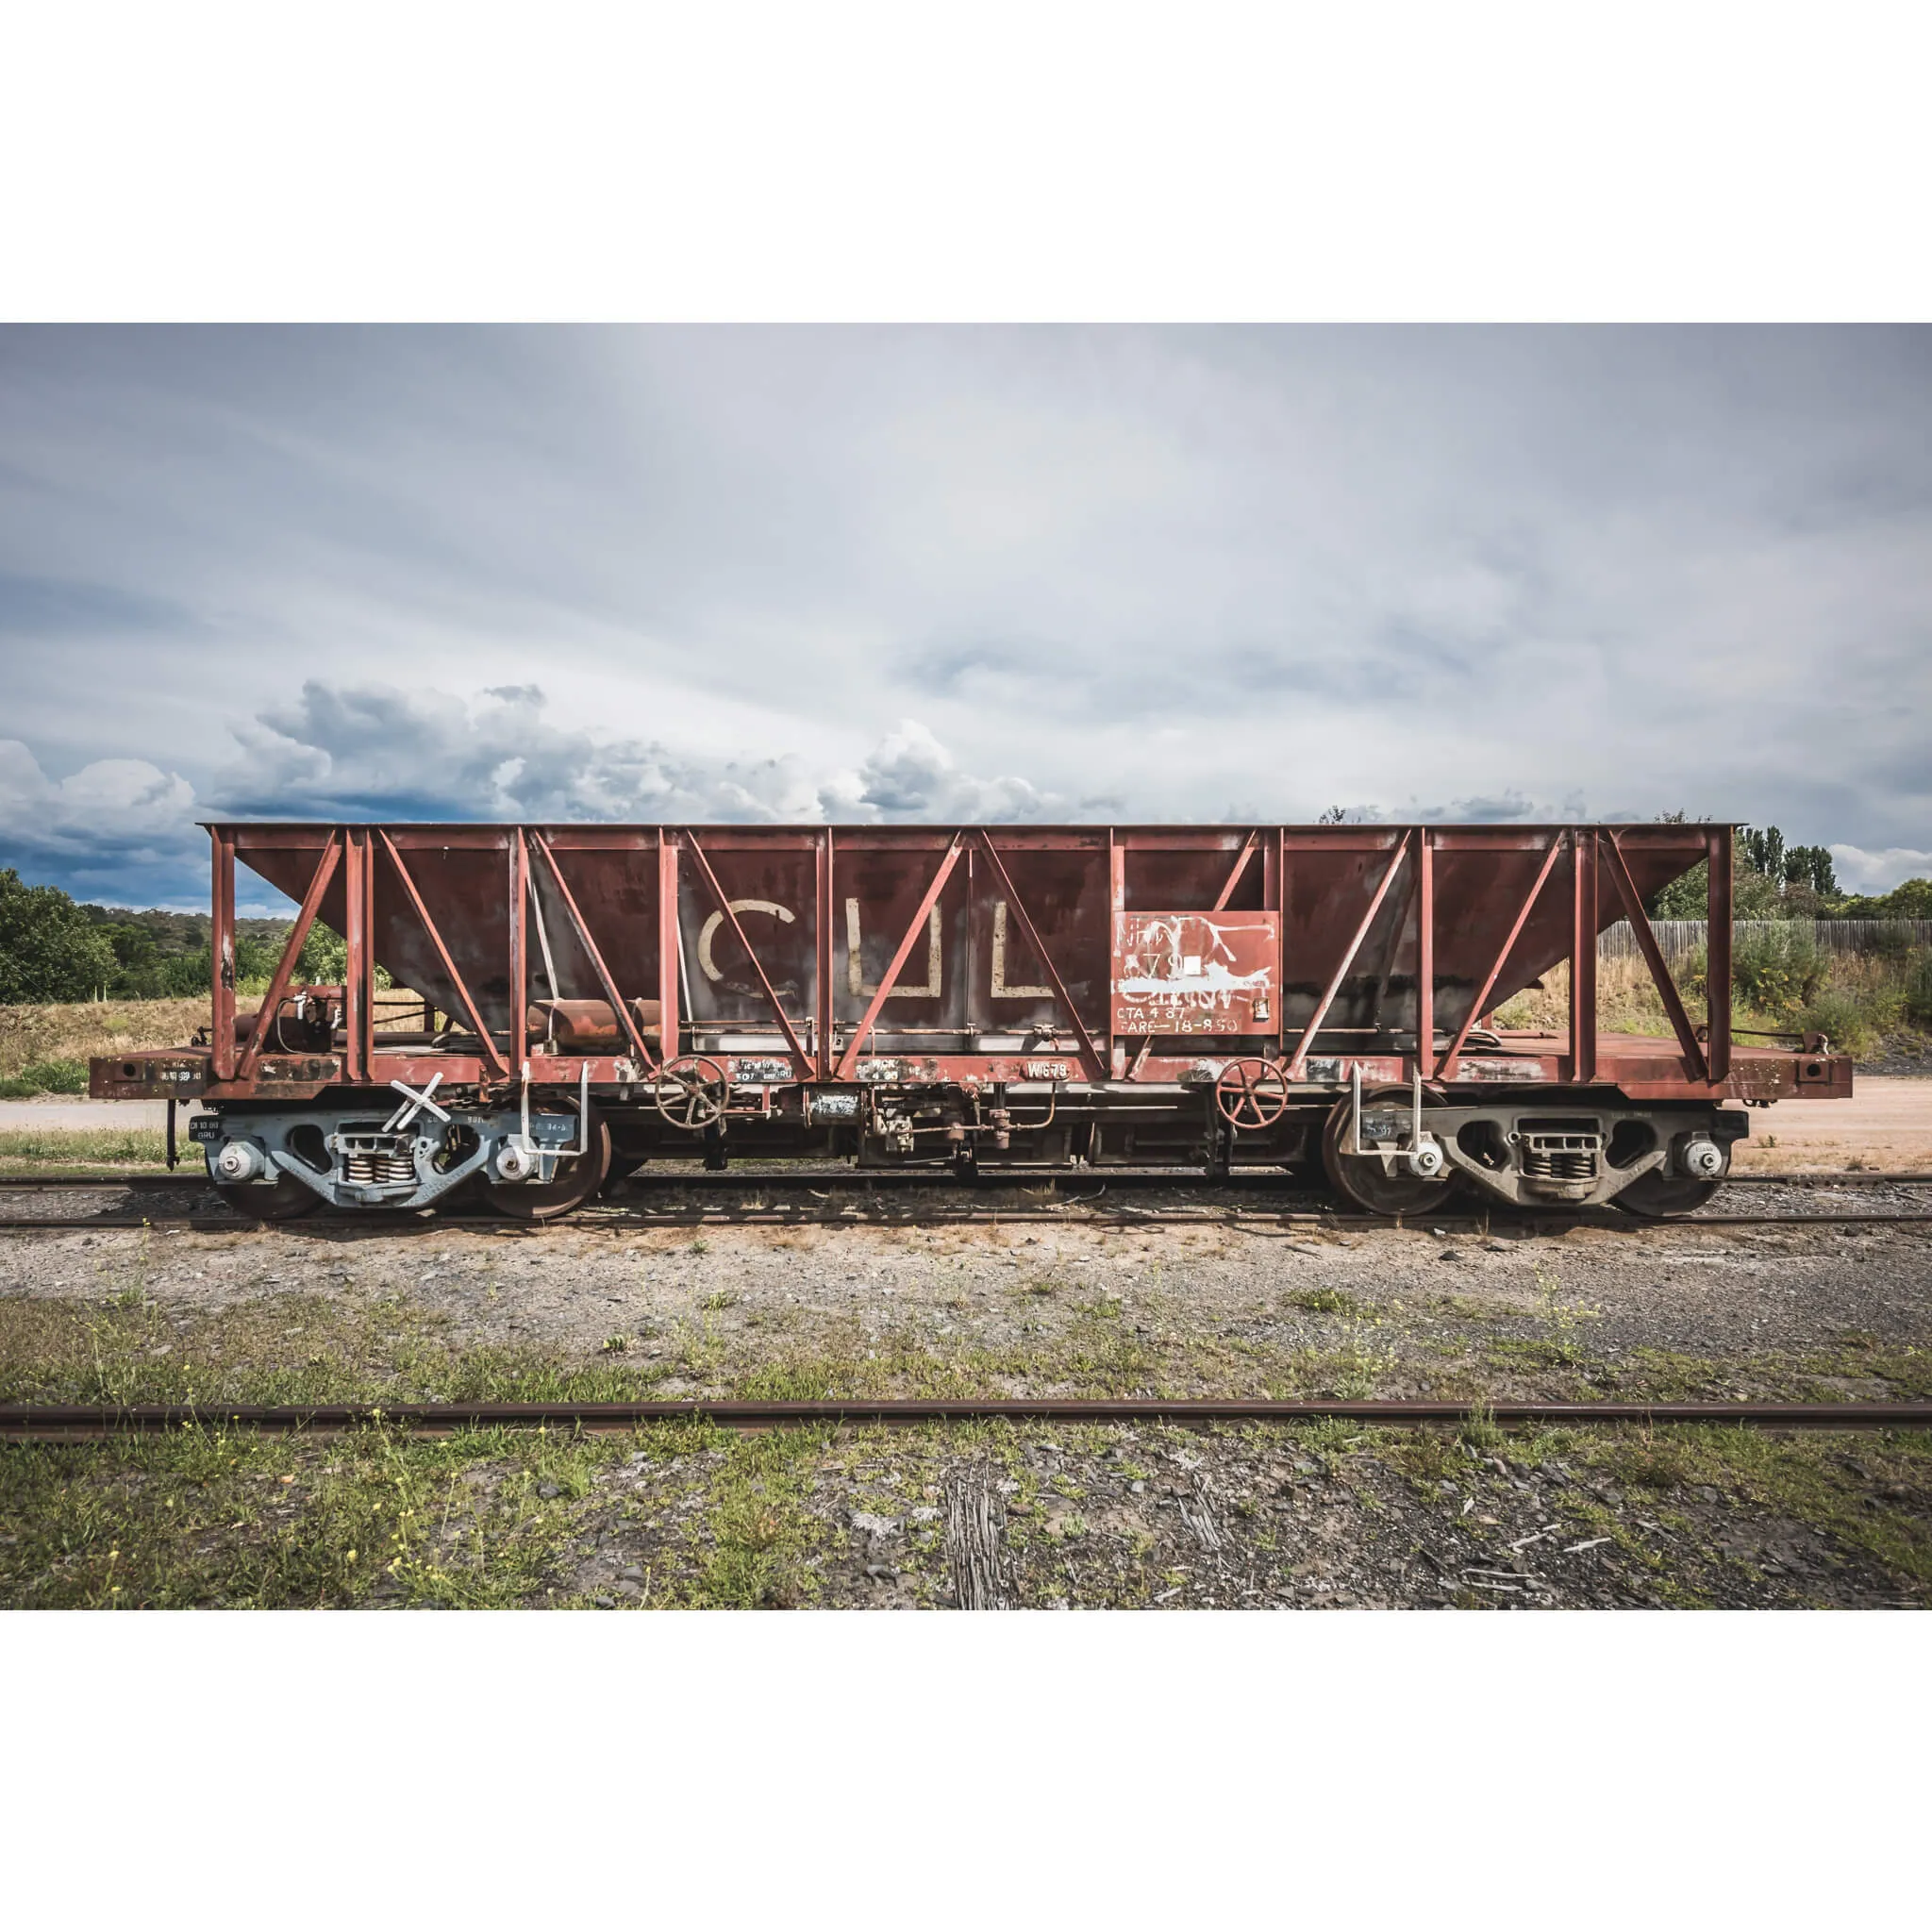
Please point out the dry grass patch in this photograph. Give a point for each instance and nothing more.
(35, 1035)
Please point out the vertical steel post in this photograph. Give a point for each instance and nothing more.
(518, 948)
(821, 942)
(369, 955)
(356, 973)
(1425, 953)
(667, 942)
(1116, 905)
(1274, 894)
(220, 951)
(966, 982)
(1717, 951)
(1583, 955)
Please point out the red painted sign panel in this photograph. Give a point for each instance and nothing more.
(1195, 971)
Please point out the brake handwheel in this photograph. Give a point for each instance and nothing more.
(1250, 1094)
(693, 1092)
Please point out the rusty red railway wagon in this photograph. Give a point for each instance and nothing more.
(530, 1010)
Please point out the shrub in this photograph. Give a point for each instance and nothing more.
(55, 1077)
(1913, 900)
(1843, 1019)
(1888, 943)
(1919, 991)
(1777, 971)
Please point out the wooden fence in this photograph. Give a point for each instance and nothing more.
(1680, 938)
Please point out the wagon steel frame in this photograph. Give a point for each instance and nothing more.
(1159, 969)
(354, 861)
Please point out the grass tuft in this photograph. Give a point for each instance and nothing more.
(23, 1148)
(1325, 1301)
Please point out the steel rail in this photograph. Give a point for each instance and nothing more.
(54, 1422)
(855, 1179)
(1862, 1177)
(868, 1180)
(633, 1221)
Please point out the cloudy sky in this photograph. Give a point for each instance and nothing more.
(959, 574)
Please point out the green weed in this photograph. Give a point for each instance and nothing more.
(1478, 1428)
(1325, 1301)
(87, 1147)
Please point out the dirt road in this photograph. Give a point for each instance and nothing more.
(1887, 1124)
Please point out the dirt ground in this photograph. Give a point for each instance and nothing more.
(1885, 1125)
(1329, 1515)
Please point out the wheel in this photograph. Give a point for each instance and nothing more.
(576, 1180)
(287, 1200)
(1250, 1094)
(693, 1092)
(1656, 1194)
(1363, 1179)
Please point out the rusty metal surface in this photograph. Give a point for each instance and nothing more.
(1196, 972)
(1017, 954)
(878, 876)
(53, 1422)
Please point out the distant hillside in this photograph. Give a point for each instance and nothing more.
(177, 933)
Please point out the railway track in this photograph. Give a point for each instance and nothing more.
(1254, 1221)
(881, 1200)
(890, 1180)
(56, 1423)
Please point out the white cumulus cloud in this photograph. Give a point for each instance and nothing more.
(912, 776)
(107, 817)
(374, 751)
(1859, 871)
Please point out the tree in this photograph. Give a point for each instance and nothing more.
(324, 958)
(182, 976)
(1760, 863)
(1754, 895)
(49, 951)
(1762, 850)
(1684, 898)
(1811, 866)
(134, 946)
(1913, 900)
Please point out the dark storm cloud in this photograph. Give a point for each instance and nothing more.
(855, 572)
